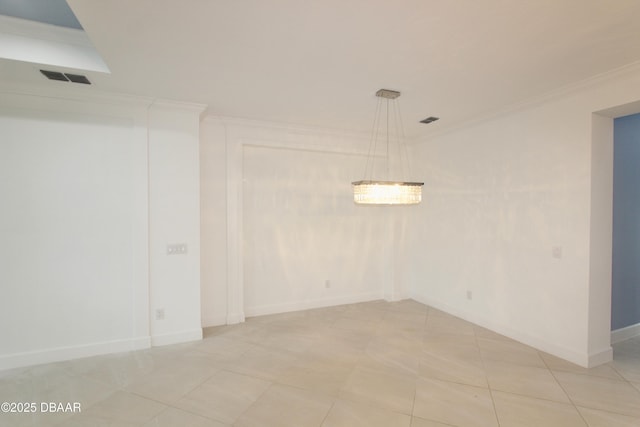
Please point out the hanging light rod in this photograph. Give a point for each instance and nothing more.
(386, 192)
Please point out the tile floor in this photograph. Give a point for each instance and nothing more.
(369, 364)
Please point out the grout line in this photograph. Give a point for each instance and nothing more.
(328, 412)
(563, 389)
(486, 377)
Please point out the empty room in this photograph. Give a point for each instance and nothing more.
(332, 213)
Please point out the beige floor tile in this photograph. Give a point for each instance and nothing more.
(397, 341)
(597, 418)
(290, 341)
(510, 351)
(371, 316)
(284, 406)
(21, 420)
(86, 420)
(123, 407)
(627, 366)
(393, 392)
(322, 380)
(389, 366)
(361, 325)
(338, 341)
(407, 306)
(421, 422)
(224, 397)
(523, 411)
(391, 358)
(601, 393)
(447, 324)
(456, 404)
(49, 383)
(288, 317)
(377, 305)
(457, 369)
(122, 369)
(263, 363)
(416, 319)
(630, 346)
(198, 360)
(326, 360)
(223, 348)
(451, 344)
(488, 334)
(354, 414)
(172, 417)
(251, 333)
(410, 331)
(170, 382)
(525, 380)
(557, 364)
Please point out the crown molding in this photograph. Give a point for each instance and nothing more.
(566, 90)
(86, 93)
(283, 126)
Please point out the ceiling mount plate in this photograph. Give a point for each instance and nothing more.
(429, 120)
(387, 93)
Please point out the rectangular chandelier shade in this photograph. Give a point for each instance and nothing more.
(387, 192)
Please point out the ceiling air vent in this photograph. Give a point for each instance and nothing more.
(54, 75)
(77, 78)
(65, 77)
(429, 120)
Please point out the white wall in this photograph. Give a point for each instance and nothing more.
(501, 196)
(291, 223)
(78, 221)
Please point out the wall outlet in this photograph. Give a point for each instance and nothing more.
(556, 252)
(159, 313)
(327, 284)
(469, 295)
(177, 249)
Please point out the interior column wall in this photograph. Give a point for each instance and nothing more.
(174, 219)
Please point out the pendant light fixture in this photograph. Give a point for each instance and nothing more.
(385, 191)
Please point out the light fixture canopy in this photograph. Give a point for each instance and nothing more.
(386, 192)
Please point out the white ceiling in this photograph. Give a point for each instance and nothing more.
(321, 62)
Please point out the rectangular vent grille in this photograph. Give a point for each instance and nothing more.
(54, 75)
(429, 120)
(65, 77)
(77, 78)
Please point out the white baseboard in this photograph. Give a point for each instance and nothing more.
(581, 359)
(600, 357)
(233, 318)
(176, 337)
(626, 333)
(19, 360)
(306, 305)
(209, 321)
